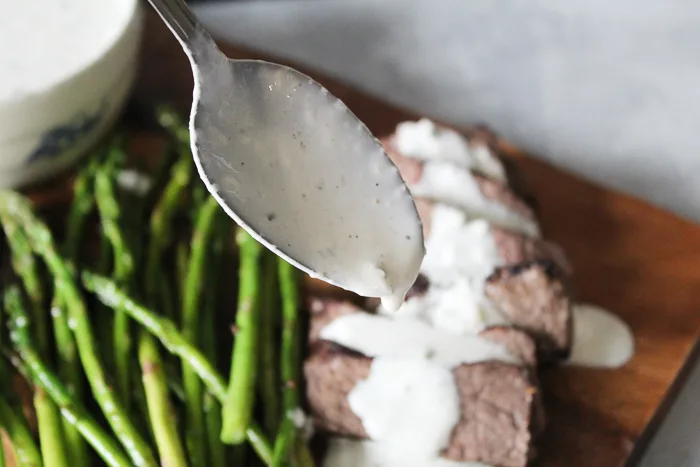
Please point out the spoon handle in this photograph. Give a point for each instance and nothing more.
(180, 19)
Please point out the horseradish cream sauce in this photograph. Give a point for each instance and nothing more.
(409, 402)
(601, 339)
(443, 181)
(459, 308)
(410, 405)
(459, 246)
(448, 159)
(380, 336)
(460, 254)
(423, 140)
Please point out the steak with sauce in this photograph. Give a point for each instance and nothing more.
(533, 295)
(501, 411)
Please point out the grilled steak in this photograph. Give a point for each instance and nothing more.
(501, 413)
(534, 297)
(412, 171)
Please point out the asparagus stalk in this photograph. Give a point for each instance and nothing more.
(160, 222)
(68, 363)
(51, 441)
(49, 422)
(194, 283)
(289, 289)
(269, 377)
(25, 449)
(163, 328)
(212, 408)
(289, 362)
(159, 408)
(157, 398)
(111, 217)
(237, 412)
(17, 209)
(12, 423)
(167, 333)
(181, 260)
(32, 365)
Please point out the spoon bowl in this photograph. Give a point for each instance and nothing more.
(292, 165)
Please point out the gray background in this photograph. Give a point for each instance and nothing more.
(607, 89)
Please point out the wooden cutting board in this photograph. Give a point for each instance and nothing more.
(629, 257)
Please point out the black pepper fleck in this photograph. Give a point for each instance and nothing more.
(271, 217)
(408, 237)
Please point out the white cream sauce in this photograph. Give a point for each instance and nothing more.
(601, 339)
(409, 402)
(344, 452)
(448, 159)
(409, 405)
(382, 336)
(460, 254)
(459, 246)
(447, 183)
(458, 308)
(423, 140)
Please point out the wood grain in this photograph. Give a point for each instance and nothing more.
(629, 257)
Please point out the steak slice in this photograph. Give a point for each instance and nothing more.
(412, 171)
(324, 310)
(513, 247)
(534, 297)
(501, 413)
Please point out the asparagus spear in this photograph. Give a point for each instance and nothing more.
(167, 333)
(194, 283)
(68, 363)
(212, 408)
(160, 222)
(289, 361)
(32, 364)
(49, 422)
(237, 411)
(17, 209)
(269, 377)
(25, 449)
(111, 217)
(159, 408)
(157, 399)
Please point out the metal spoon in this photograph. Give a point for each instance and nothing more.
(295, 168)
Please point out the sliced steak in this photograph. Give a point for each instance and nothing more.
(481, 135)
(514, 248)
(535, 297)
(492, 191)
(324, 311)
(501, 413)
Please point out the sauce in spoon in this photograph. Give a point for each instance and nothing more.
(293, 166)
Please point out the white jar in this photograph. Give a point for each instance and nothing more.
(66, 69)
